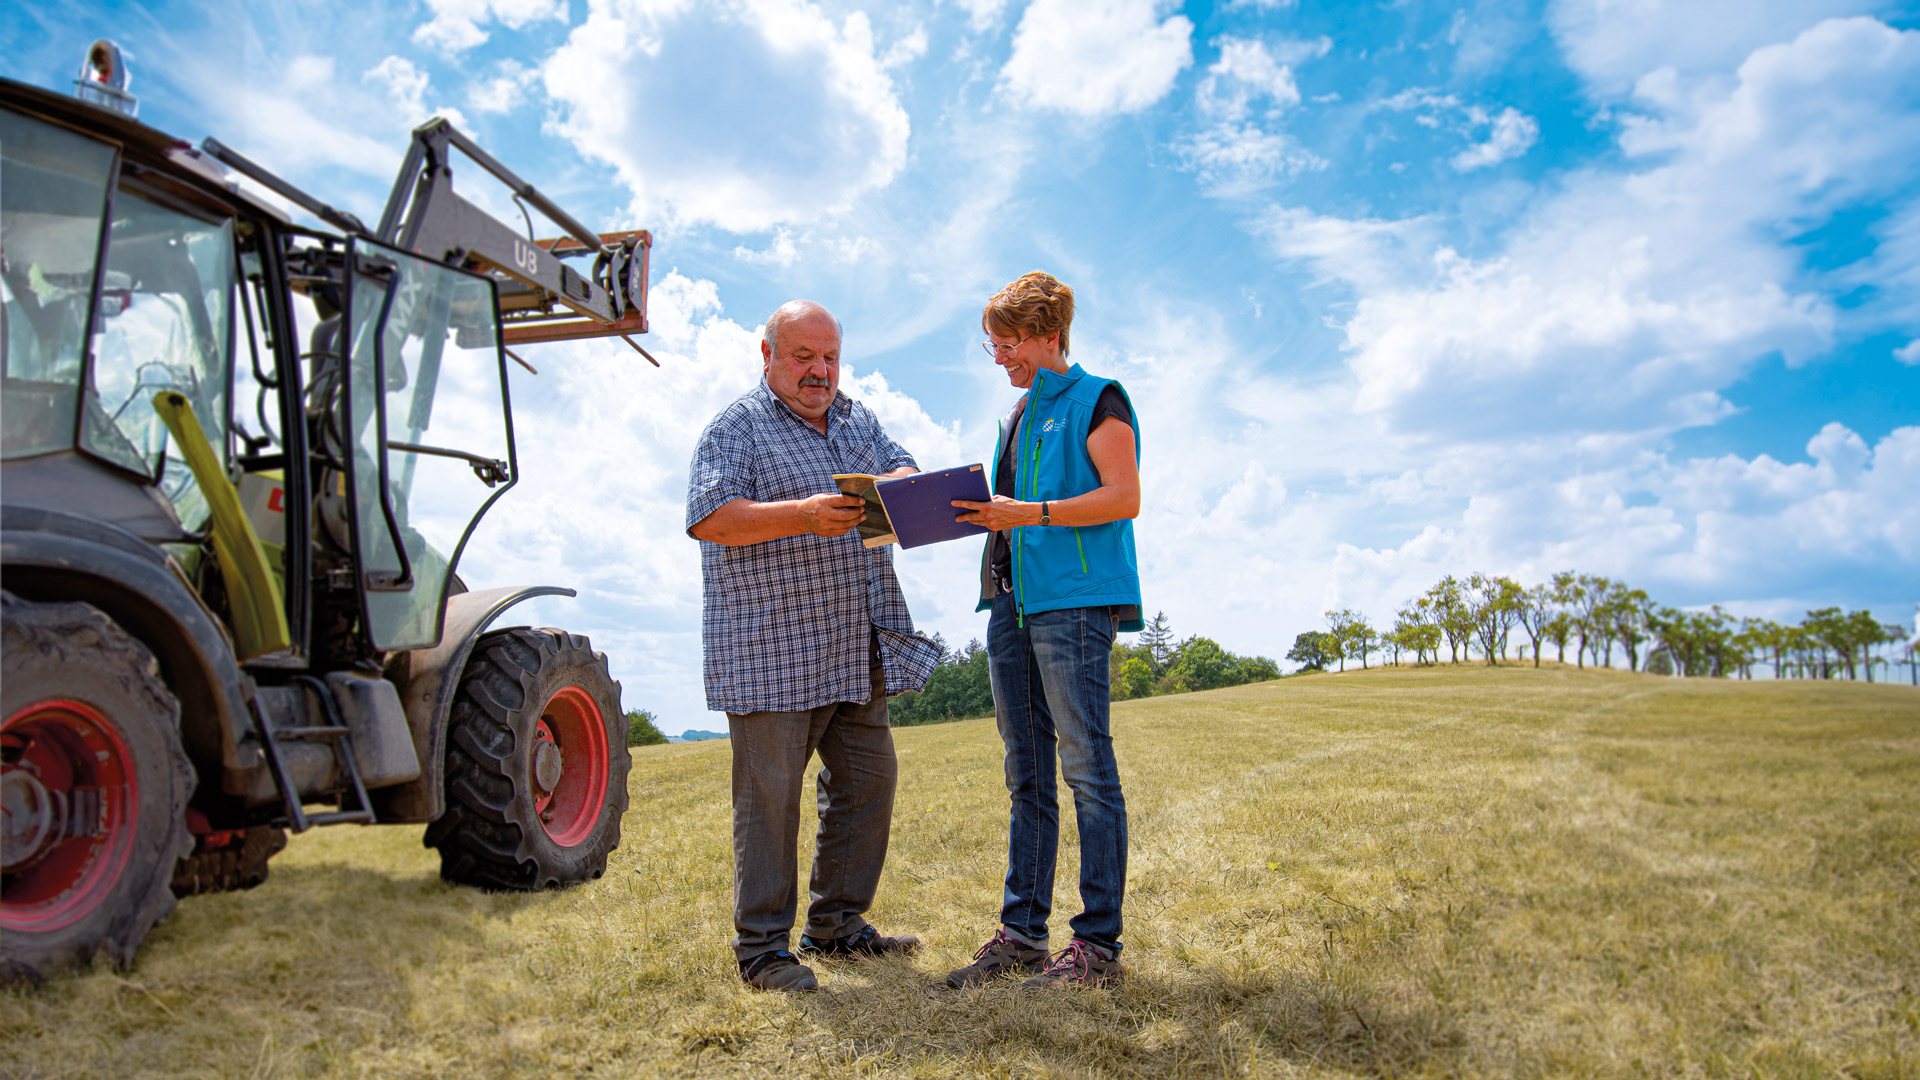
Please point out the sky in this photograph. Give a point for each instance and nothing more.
(1629, 287)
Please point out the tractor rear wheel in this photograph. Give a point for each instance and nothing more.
(537, 764)
(95, 787)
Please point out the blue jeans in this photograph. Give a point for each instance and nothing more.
(1050, 692)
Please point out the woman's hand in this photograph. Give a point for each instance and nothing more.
(1000, 514)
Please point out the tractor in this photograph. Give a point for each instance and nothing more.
(240, 457)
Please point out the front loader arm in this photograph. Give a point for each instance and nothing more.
(541, 298)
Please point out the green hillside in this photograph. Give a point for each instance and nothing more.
(1434, 872)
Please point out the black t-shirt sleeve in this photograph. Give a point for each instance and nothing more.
(1112, 403)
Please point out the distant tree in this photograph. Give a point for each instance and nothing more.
(1493, 603)
(1567, 589)
(1414, 631)
(1360, 640)
(1768, 640)
(1829, 628)
(1586, 598)
(958, 690)
(1699, 642)
(1535, 612)
(1251, 669)
(1314, 650)
(1626, 616)
(1559, 630)
(1117, 671)
(1659, 659)
(1340, 627)
(1428, 638)
(1157, 639)
(1895, 635)
(1201, 664)
(1134, 679)
(1451, 615)
(643, 728)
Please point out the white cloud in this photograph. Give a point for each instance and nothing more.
(406, 88)
(1236, 153)
(1613, 43)
(1624, 302)
(1909, 353)
(780, 252)
(1245, 73)
(311, 119)
(1096, 57)
(1233, 160)
(1512, 135)
(906, 50)
(982, 14)
(502, 92)
(746, 115)
(455, 26)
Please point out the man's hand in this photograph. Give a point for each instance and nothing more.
(831, 515)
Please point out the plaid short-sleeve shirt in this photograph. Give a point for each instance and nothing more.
(787, 622)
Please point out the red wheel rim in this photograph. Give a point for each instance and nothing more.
(572, 722)
(68, 754)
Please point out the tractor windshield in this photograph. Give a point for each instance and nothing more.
(161, 316)
(53, 200)
(431, 444)
(166, 323)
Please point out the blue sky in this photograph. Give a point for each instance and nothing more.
(1400, 289)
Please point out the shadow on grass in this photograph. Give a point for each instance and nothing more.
(1200, 1023)
(334, 920)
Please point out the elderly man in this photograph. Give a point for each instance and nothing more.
(806, 634)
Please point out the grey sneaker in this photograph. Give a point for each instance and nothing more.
(865, 941)
(1003, 954)
(776, 970)
(1078, 966)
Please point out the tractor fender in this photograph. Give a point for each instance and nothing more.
(427, 679)
(47, 556)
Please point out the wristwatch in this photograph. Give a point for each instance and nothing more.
(1045, 518)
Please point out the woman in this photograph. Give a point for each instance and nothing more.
(1060, 579)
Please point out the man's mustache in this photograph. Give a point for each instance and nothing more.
(814, 380)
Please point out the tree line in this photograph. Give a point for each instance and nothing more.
(961, 687)
(1601, 619)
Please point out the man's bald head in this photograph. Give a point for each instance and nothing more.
(789, 312)
(801, 356)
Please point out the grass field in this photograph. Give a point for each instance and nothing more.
(1436, 872)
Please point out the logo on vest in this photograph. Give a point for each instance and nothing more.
(1050, 425)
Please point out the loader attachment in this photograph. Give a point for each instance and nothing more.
(542, 298)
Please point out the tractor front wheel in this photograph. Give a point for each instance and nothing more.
(94, 785)
(537, 764)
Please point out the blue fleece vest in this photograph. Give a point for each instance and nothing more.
(1056, 567)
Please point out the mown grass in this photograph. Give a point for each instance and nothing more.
(1436, 872)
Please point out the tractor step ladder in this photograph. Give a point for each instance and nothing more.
(340, 740)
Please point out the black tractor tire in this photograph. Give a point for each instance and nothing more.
(537, 762)
(96, 786)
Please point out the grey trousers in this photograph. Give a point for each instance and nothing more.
(854, 788)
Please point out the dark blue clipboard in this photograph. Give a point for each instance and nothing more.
(921, 507)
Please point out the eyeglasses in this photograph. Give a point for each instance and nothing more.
(997, 351)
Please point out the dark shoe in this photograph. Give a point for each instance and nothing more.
(865, 941)
(1078, 966)
(776, 970)
(998, 957)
